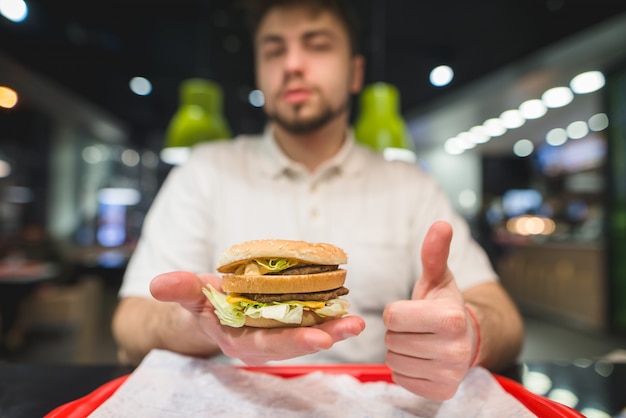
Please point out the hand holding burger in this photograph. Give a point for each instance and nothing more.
(280, 283)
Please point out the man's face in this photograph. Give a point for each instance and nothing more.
(305, 68)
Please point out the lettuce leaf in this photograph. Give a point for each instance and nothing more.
(334, 307)
(288, 312)
(228, 314)
(275, 264)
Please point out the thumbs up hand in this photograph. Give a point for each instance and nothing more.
(431, 339)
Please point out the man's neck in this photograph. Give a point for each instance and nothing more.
(312, 149)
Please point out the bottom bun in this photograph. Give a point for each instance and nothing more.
(308, 319)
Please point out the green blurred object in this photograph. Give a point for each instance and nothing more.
(200, 116)
(380, 125)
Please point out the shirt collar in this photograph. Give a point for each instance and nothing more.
(277, 163)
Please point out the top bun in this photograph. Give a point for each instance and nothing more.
(314, 253)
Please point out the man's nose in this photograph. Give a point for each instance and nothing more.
(294, 61)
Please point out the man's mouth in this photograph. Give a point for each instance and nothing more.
(296, 95)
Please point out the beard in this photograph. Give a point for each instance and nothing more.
(297, 124)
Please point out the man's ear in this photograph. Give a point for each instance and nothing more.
(358, 71)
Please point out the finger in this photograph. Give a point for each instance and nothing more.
(425, 316)
(211, 279)
(255, 346)
(434, 257)
(343, 328)
(181, 287)
(321, 337)
(434, 390)
(435, 251)
(425, 377)
(430, 346)
(301, 340)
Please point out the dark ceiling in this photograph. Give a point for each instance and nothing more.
(93, 48)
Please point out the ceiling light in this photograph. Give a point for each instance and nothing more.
(577, 130)
(199, 118)
(14, 10)
(92, 155)
(479, 134)
(441, 76)
(452, 147)
(130, 157)
(493, 127)
(256, 98)
(533, 109)
(141, 86)
(512, 119)
(598, 122)
(557, 97)
(8, 97)
(587, 82)
(556, 137)
(119, 196)
(379, 124)
(466, 140)
(523, 148)
(149, 159)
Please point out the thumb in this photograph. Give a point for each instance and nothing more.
(435, 251)
(182, 287)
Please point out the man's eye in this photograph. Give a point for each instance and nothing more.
(273, 52)
(320, 46)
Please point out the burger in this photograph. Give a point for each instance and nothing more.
(280, 283)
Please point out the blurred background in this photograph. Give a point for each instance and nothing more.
(517, 108)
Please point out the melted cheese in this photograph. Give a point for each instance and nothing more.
(234, 299)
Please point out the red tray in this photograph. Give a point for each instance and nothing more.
(539, 405)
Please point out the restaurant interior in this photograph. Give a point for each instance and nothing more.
(527, 137)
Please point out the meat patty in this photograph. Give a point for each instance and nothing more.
(306, 269)
(315, 296)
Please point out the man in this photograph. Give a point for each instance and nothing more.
(306, 178)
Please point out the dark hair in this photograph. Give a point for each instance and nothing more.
(256, 10)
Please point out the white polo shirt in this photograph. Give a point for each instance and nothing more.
(376, 210)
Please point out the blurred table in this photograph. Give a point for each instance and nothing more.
(29, 390)
(33, 390)
(17, 279)
(26, 271)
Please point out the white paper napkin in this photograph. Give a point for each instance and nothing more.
(171, 385)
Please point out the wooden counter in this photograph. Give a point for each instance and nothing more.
(564, 282)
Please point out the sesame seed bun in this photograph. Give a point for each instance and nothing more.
(314, 253)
